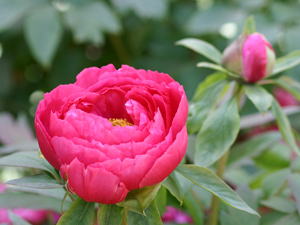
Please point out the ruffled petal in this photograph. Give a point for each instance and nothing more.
(95, 184)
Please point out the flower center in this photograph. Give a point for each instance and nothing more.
(119, 122)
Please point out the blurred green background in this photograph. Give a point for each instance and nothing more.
(45, 43)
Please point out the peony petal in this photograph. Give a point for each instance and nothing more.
(67, 151)
(254, 57)
(44, 143)
(103, 187)
(164, 165)
(90, 76)
(61, 128)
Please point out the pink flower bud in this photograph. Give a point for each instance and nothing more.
(251, 56)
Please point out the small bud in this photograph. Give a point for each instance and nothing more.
(251, 56)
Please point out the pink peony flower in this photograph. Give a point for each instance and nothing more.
(284, 98)
(175, 215)
(113, 131)
(251, 56)
(33, 216)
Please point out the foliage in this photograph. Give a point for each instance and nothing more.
(45, 43)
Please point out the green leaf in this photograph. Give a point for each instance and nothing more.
(151, 216)
(43, 33)
(80, 213)
(110, 214)
(278, 157)
(171, 184)
(11, 11)
(203, 48)
(271, 217)
(212, 66)
(16, 220)
(88, 22)
(138, 200)
(30, 200)
(290, 85)
(218, 133)
(294, 182)
(286, 62)
(291, 219)
(237, 217)
(192, 205)
(279, 203)
(36, 181)
(253, 146)
(161, 200)
(249, 27)
(27, 159)
(285, 127)
(259, 97)
(272, 183)
(208, 180)
(205, 100)
(57, 193)
(152, 9)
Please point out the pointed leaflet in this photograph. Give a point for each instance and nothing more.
(152, 216)
(237, 217)
(203, 48)
(205, 100)
(80, 213)
(161, 200)
(249, 26)
(27, 159)
(89, 21)
(291, 219)
(171, 184)
(16, 220)
(294, 182)
(218, 133)
(253, 146)
(259, 97)
(29, 200)
(11, 11)
(139, 199)
(219, 68)
(280, 203)
(290, 85)
(110, 214)
(43, 32)
(273, 182)
(41, 181)
(285, 127)
(208, 180)
(286, 62)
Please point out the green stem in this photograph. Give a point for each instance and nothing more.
(124, 220)
(198, 200)
(215, 205)
(70, 196)
(283, 186)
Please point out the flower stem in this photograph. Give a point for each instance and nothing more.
(124, 221)
(215, 205)
(70, 196)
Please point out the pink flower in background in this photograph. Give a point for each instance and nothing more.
(175, 215)
(113, 131)
(251, 56)
(284, 98)
(33, 216)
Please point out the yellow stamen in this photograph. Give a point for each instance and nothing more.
(119, 122)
